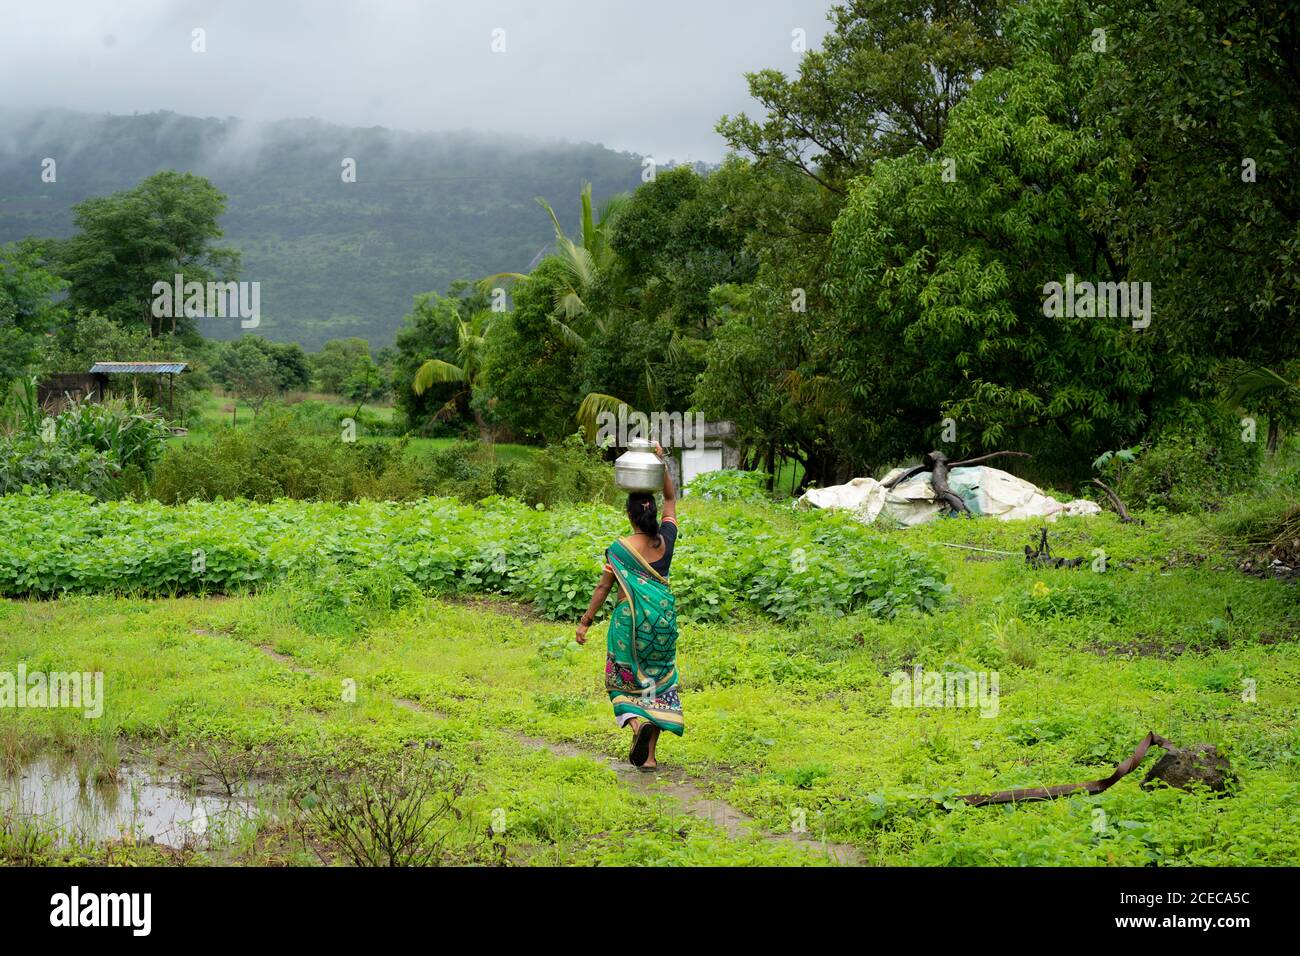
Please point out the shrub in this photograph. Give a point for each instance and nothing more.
(329, 600)
(560, 581)
(398, 811)
(130, 433)
(27, 462)
(316, 417)
(831, 569)
(1084, 596)
(275, 459)
(467, 470)
(1190, 464)
(729, 484)
(321, 418)
(569, 471)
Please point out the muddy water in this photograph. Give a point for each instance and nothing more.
(146, 806)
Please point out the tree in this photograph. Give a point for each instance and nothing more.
(288, 362)
(940, 281)
(885, 84)
(673, 246)
(367, 383)
(27, 310)
(292, 370)
(83, 339)
(641, 362)
(1276, 396)
(135, 238)
(588, 289)
(528, 380)
(675, 243)
(464, 372)
(1197, 100)
(887, 79)
(336, 362)
(246, 370)
(634, 295)
(757, 353)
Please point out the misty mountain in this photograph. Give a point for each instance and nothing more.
(334, 258)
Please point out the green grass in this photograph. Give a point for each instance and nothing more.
(215, 412)
(176, 679)
(782, 722)
(788, 475)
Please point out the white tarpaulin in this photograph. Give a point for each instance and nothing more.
(986, 491)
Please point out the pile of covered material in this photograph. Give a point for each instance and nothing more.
(985, 490)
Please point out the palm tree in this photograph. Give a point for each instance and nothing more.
(587, 264)
(470, 337)
(591, 273)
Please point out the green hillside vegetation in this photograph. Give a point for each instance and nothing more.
(335, 259)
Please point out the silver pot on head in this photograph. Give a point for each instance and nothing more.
(639, 468)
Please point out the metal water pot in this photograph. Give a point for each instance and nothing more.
(639, 468)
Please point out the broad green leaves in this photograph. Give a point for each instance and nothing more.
(732, 557)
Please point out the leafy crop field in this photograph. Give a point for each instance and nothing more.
(792, 717)
(779, 563)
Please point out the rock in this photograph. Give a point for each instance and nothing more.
(1188, 766)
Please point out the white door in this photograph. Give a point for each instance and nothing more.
(699, 460)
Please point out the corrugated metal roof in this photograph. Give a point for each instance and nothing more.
(138, 368)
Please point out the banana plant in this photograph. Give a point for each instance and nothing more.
(1256, 381)
(1267, 388)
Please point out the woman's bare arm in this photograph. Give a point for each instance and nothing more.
(602, 592)
(670, 493)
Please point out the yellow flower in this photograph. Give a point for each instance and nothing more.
(1041, 590)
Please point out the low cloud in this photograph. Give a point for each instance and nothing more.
(646, 78)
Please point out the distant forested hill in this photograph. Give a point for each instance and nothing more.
(334, 259)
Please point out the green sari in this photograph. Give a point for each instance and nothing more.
(641, 644)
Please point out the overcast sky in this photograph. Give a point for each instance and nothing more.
(648, 76)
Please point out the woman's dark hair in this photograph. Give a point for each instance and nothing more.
(643, 513)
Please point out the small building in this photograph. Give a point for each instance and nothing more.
(58, 390)
(709, 448)
(104, 379)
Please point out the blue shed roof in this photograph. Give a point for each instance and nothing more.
(138, 368)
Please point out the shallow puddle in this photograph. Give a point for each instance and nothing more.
(146, 806)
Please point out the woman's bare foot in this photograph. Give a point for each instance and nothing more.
(650, 762)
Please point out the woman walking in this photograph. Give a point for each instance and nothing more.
(641, 644)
